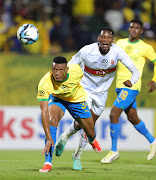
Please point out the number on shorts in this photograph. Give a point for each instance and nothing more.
(84, 105)
(123, 94)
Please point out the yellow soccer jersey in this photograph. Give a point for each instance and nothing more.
(138, 52)
(68, 90)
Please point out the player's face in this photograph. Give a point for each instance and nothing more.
(105, 39)
(135, 31)
(60, 71)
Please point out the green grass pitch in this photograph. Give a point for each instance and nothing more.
(24, 165)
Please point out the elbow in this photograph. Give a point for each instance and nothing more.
(138, 75)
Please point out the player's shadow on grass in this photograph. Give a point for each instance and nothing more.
(28, 170)
(53, 169)
(93, 161)
(63, 168)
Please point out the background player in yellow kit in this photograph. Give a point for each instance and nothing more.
(59, 90)
(138, 51)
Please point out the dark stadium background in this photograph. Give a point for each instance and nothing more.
(64, 27)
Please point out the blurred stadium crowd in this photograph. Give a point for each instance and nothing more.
(67, 25)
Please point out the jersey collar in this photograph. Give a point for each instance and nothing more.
(134, 42)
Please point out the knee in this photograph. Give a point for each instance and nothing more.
(112, 115)
(53, 120)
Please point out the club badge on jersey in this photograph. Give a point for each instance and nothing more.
(104, 64)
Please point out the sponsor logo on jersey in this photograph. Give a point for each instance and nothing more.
(64, 87)
(128, 49)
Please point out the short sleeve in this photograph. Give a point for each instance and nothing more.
(150, 53)
(42, 94)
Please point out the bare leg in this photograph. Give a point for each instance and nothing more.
(88, 127)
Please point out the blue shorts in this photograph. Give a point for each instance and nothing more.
(80, 110)
(126, 98)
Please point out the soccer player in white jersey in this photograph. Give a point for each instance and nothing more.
(139, 52)
(99, 61)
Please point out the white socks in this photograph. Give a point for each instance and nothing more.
(82, 143)
(70, 131)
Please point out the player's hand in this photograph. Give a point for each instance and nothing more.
(127, 83)
(48, 145)
(152, 85)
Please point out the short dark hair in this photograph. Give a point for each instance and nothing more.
(60, 59)
(108, 29)
(137, 21)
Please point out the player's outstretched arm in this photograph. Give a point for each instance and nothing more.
(152, 85)
(45, 123)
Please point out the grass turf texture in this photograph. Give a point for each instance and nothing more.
(20, 75)
(24, 165)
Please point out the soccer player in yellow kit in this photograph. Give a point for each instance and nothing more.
(59, 90)
(138, 51)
